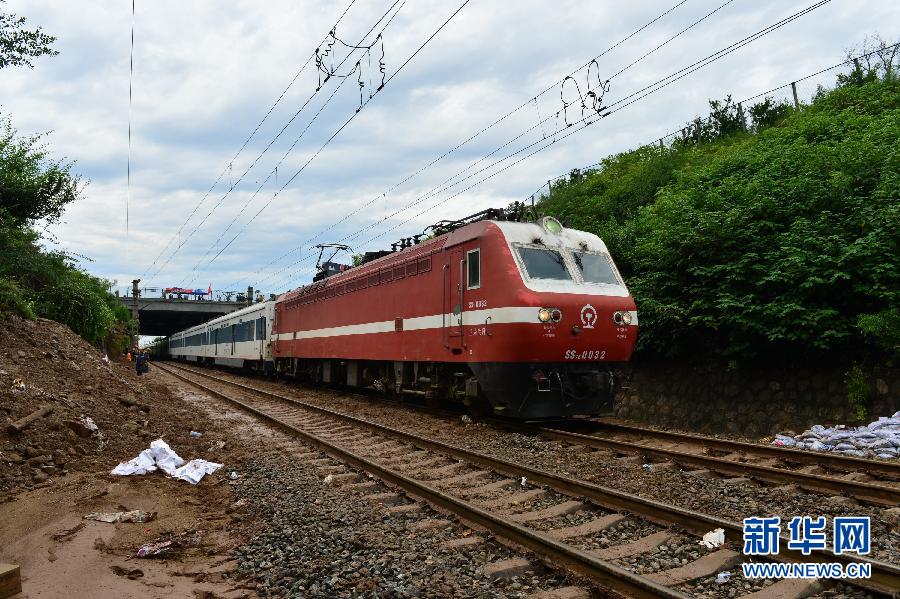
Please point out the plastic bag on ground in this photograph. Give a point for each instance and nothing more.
(194, 471)
(712, 539)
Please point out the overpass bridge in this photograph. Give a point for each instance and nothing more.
(159, 314)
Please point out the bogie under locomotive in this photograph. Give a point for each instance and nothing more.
(528, 318)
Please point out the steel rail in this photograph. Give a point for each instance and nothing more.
(837, 462)
(885, 576)
(875, 493)
(578, 561)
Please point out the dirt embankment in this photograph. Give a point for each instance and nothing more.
(43, 364)
(57, 469)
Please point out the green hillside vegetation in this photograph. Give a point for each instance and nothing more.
(34, 192)
(761, 232)
(35, 281)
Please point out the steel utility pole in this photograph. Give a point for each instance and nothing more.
(135, 294)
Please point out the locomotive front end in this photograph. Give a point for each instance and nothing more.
(583, 325)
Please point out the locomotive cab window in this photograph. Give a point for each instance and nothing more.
(473, 269)
(543, 263)
(595, 268)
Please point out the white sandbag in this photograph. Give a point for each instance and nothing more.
(855, 453)
(784, 440)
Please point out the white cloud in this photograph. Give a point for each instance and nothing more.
(206, 72)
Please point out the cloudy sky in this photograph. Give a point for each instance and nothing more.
(204, 211)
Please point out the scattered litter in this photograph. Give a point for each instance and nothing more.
(722, 577)
(216, 445)
(103, 516)
(523, 481)
(18, 385)
(105, 359)
(155, 548)
(466, 419)
(196, 434)
(328, 479)
(877, 439)
(89, 424)
(233, 475)
(712, 539)
(646, 466)
(194, 471)
(137, 516)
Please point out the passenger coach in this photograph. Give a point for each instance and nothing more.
(239, 339)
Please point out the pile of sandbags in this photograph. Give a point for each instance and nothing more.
(880, 439)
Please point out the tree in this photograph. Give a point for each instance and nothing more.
(19, 45)
(32, 187)
(874, 59)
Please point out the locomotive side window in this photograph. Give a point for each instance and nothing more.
(544, 264)
(473, 269)
(595, 268)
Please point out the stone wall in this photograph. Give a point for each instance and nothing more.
(755, 402)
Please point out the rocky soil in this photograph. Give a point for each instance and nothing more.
(44, 364)
(320, 540)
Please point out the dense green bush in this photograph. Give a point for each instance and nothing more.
(13, 300)
(754, 242)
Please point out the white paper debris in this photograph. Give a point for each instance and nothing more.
(161, 456)
(722, 577)
(167, 460)
(877, 439)
(89, 424)
(142, 464)
(195, 470)
(328, 479)
(712, 539)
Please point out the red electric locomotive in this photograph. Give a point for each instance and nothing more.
(528, 318)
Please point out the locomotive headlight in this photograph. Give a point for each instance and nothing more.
(544, 315)
(622, 318)
(555, 314)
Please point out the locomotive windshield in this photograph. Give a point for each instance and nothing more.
(595, 268)
(544, 264)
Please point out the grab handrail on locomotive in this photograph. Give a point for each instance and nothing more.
(506, 310)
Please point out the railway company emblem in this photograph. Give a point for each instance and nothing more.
(588, 316)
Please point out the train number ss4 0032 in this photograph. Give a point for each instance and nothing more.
(587, 354)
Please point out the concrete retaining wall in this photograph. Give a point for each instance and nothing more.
(754, 402)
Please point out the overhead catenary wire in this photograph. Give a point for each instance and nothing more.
(269, 145)
(343, 79)
(338, 131)
(622, 104)
(128, 163)
(177, 234)
(587, 169)
(448, 183)
(472, 137)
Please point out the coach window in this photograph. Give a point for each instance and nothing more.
(473, 268)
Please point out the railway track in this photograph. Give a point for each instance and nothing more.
(552, 515)
(872, 481)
